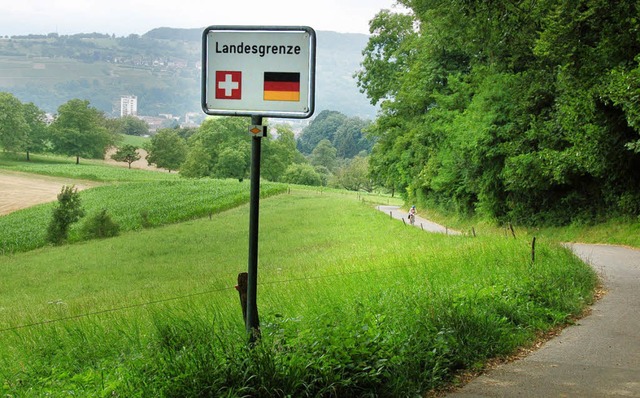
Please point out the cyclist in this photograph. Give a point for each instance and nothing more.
(412, 214)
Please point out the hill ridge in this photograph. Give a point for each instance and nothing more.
(160, 67)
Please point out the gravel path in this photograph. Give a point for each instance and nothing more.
(397, 213)
(598, 357)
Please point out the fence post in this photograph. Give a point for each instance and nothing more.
(533, 250)
(241, 287)
(513, 232)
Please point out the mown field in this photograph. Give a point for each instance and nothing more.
(351, 302)
(93, 170)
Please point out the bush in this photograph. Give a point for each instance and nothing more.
(68, 211)
(100, 225)
(302, 174)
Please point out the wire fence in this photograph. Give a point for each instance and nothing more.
(191, 295)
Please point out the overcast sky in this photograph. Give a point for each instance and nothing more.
(124, 17)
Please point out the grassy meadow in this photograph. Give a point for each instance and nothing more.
(351, 303)
(92, 170)
(134, 140)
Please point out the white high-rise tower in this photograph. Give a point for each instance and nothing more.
(128, 105)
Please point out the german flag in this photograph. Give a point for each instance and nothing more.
(281, 86)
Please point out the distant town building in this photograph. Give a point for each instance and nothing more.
(128, 105)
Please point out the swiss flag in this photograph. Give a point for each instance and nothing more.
(228, 85)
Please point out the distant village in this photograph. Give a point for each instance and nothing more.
(129, 107)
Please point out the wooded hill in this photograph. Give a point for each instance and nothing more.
(160, 67)
(522, 111)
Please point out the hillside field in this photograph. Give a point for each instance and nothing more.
(21, 190)
(351, 303)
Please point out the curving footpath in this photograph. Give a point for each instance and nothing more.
(426, 225)
(597, 357)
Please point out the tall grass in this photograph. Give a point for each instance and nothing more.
(351, 304)
(616, 231)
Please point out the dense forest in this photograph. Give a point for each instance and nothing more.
(521, 111)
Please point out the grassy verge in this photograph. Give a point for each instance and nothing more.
(351, 304)
(616, 231)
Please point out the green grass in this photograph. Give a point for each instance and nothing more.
(622, 231)
(351, 304)
(93, 170)
(134, 140)
(133, 198)
(132, 205)
(618, 232)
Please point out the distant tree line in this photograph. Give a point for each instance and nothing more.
(219, 148)
(523, 111)
(79, 130)
(335, 146)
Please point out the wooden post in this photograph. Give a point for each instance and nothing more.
(533, 250)
(241, 287)
(513, 232)
(473, 231)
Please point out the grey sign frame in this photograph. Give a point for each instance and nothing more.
(207, 79)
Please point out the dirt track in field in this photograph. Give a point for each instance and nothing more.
(22, 190)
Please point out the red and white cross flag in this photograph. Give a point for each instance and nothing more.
(228, 85)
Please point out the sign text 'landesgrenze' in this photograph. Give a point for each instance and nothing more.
(259, 71)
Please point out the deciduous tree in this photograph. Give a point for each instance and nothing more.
(13, 126)
(126, 153)
(167, 150)
(79, 131)
(37, 137)
(523, 111)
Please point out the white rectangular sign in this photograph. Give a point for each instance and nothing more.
(259, 71)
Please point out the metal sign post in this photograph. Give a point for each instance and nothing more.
(252, 322)
(263, 71)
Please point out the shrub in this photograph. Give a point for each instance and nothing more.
(68, 211)
(100, 225)
(302, 174)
